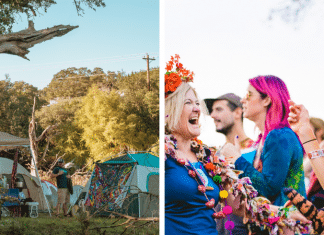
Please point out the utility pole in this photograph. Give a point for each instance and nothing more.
(147, 58)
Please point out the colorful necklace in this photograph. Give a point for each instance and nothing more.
(205, 157)
(257, 210)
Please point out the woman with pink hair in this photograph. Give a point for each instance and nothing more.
(278, 162)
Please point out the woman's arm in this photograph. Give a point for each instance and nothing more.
(299, 122)
(276, 159)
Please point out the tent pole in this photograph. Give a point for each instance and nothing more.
(40, 182)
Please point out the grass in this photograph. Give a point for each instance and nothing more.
(71, 226)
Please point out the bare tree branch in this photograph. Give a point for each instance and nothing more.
(18, 43)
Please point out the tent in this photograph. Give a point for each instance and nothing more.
(11, 140)
(128, 184)
(8, 141)
(31, 188)
(50, 191)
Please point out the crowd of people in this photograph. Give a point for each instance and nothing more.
(246, 186)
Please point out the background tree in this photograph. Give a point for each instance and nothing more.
(74, 82)
(123, 119)
(292, 11)
(66, 139)
(16, 106)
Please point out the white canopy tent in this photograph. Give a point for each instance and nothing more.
(8, 141)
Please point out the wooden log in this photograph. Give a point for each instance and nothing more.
(18, 43)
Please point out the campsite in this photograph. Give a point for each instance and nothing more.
(79, 117)
(121, 190)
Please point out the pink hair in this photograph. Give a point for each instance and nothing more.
(278, 110)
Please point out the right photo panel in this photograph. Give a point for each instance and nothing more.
(243, 117)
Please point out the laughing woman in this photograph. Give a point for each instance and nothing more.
(186, 211)
(278, 163)
(190, 192)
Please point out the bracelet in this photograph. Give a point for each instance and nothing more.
(316, 154)
(309, 141)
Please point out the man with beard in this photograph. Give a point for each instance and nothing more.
(227, 113)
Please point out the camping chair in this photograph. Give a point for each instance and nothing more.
(13, 207)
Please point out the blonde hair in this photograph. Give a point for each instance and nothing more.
(318, 124)
(174, 106)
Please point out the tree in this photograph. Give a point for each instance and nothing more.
(66, 139)
(123, 119)
(74, 82)
(292, 10)
(16, 106)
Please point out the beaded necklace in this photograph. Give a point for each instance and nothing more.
(257, 211)
(204, 156)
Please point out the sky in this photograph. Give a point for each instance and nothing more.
(113, 38)
(228, 42)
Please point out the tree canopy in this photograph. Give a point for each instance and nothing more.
(124, 119)
(16, 106)
(11, 9)
(98, 114)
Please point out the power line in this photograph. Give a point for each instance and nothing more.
(110, 59)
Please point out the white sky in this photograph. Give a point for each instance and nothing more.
(227, 42)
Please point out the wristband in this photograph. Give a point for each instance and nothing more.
(309, 141)
(316, 154)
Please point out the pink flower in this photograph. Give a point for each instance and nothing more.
(273, 220)
(227, 210)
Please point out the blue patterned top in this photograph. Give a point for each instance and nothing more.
(185, 209)
(282, 166)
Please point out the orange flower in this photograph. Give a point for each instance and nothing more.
(198, 141)
(168, 67)
(172, 81)
(239, 186)
(209, 166)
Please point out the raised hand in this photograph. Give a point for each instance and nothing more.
(298, 118)
(307, 209)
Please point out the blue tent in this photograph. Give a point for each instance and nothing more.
(128, 183)
(142, 159)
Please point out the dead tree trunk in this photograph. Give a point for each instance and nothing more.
(34, 141)
(19, 42)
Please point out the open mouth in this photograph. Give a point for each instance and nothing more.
(193, 121)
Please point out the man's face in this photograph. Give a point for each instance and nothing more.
(61, 164)
(223, 116)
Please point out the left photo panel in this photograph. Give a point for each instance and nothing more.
(79, 126)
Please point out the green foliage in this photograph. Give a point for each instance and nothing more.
(67, 136)
(122, 119)
(11, 9)
(17, 101)
(116, 114)
(75, 82)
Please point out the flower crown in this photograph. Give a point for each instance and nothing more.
(173, 79)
